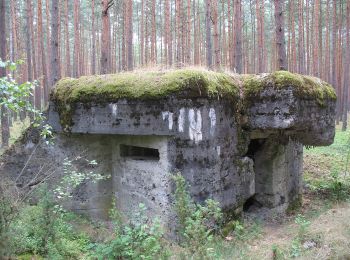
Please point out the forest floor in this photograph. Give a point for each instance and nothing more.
(320, 229)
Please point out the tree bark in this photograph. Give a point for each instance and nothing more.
(316, 44)
(55, 62)
(41, 60)
(5, 131)
(280, 39)
(216, 34)
(208, 35)
(238, 52)
(106, 37)
(130, 36)
(76, 51)
(346, 69)
(93, 35)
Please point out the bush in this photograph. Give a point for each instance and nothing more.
(43, 230)
(138, 239)
(197, 223)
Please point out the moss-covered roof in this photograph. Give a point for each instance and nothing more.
(305, 86)
(189, 83)
(145, 85)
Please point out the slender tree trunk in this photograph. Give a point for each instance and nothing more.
(167, 31)
(346, 71)
(316, 43)
(142, 32)
(55, 62)
(28, 50)
(230, 35)
(189, 47)
(208, 35)
(293, 39)
(76, 51)
(41, 59)
(216, 34)
(93, 44)
(261, 35)
(238, 52)
(154, 35)
(5, 131)
(130, 36)
(106, 37)
(280, 39)
(327, 62)
(301, 41)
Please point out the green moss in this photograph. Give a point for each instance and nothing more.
(186, 83)
(295, 204)
(140, 85)
(305, 86)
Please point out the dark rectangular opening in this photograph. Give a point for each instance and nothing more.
(139, 153)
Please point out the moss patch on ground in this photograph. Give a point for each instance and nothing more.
(305, 86)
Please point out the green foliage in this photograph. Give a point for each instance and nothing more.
(73, 178)
(42, 230)
(303, 225)
(139, 239)
(15, 96)
(334, 182)
(45, 229)
(197, 223)
(277, 253)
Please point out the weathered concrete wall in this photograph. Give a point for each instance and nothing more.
(228, 150)
(200, 138)
(278, 169)
(310, 121)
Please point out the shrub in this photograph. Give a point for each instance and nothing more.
(197, 223)
(138, 239)
(42, 230)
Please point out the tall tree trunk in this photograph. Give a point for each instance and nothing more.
(346, 69)
(142, 33)
(55, 62)
(154, 35)
(130, 36)
(293, 39)
(167, 31)
(93, 44)
(327, 61)
(261, 35)
(280, 40)
(208, 35)
(216, 34)
(28, 50)
(301, 41)
(5, 131)
(76, 51)
(106, 37)
(41, 59)
(188, 44)
(230, 35)
(238, 52)
(316, 43)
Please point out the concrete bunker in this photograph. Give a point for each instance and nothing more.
(235, 139)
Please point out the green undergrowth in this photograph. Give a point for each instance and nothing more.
(326, 169)
(305, 86)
